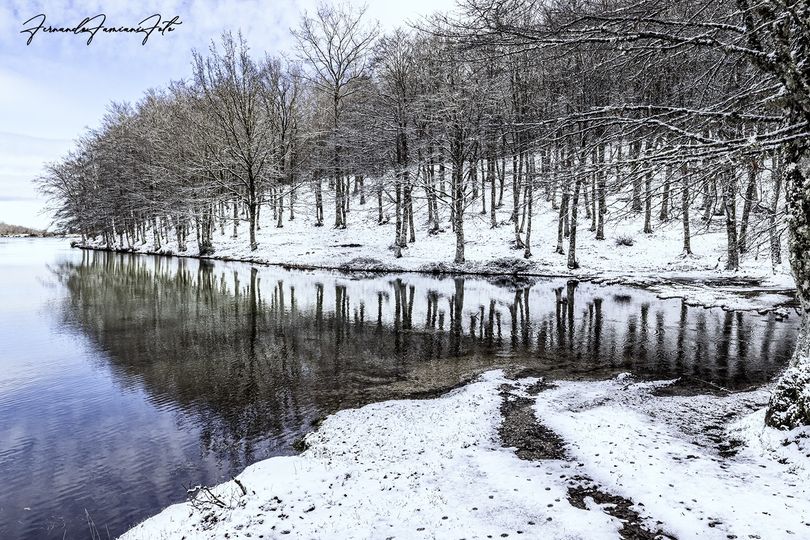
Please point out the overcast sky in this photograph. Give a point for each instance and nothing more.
(54, 88)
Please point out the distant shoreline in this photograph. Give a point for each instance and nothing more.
(17, 231)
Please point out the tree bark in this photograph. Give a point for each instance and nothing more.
(635, 151)
(458, 214)
(602, 188)
(648, 202)
(730, 206)
(530, 178)
(773, 233)
(687, 240)
(750, 190)
(572, 238)
(789, 406)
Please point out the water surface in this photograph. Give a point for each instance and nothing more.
(126, 378)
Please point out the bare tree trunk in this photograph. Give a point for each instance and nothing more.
(708, 199)
(380, 217)
(155, 233)
(474, 178)
(635, 151)
(566, 195)
(730, 206)
(399, 240)
(259, 201)
(235, 219)
(773, 233)
(318, 201)
(517, 171)
(433, 204)
(572, 239)
(458, 215)
(555, 178)
(648, 202)
(663, 215)
(602, 188)
(517, 163)
(530, 179)
(687, 242)
(280, 215)
(338, 181)
(750, 190)
(502, 171)
(442, 173)
(252, 211)
(484, 187)
(409, 227)
(563, 219)
(594, 208)
(493, 222)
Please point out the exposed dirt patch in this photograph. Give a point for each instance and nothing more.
(616, 506)
(521, 430)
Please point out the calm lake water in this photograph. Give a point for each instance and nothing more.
(125, 379)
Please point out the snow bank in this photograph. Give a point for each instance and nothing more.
(404, 469)
(664, 454)
(694, 467)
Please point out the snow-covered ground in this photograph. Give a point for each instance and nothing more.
(437, 469)
(653, 259)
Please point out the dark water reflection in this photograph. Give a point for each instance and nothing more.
(184, 372)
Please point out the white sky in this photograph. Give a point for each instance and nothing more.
(54, 88)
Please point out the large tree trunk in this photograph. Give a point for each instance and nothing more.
(789, 405)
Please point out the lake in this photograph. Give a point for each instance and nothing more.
(126, 379)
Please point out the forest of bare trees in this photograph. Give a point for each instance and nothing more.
(686, 111)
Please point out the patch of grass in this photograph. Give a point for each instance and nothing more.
(625, 240)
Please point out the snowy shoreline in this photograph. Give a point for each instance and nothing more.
(698, 288)
(437, 468)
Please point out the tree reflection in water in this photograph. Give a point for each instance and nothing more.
(255, 356)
